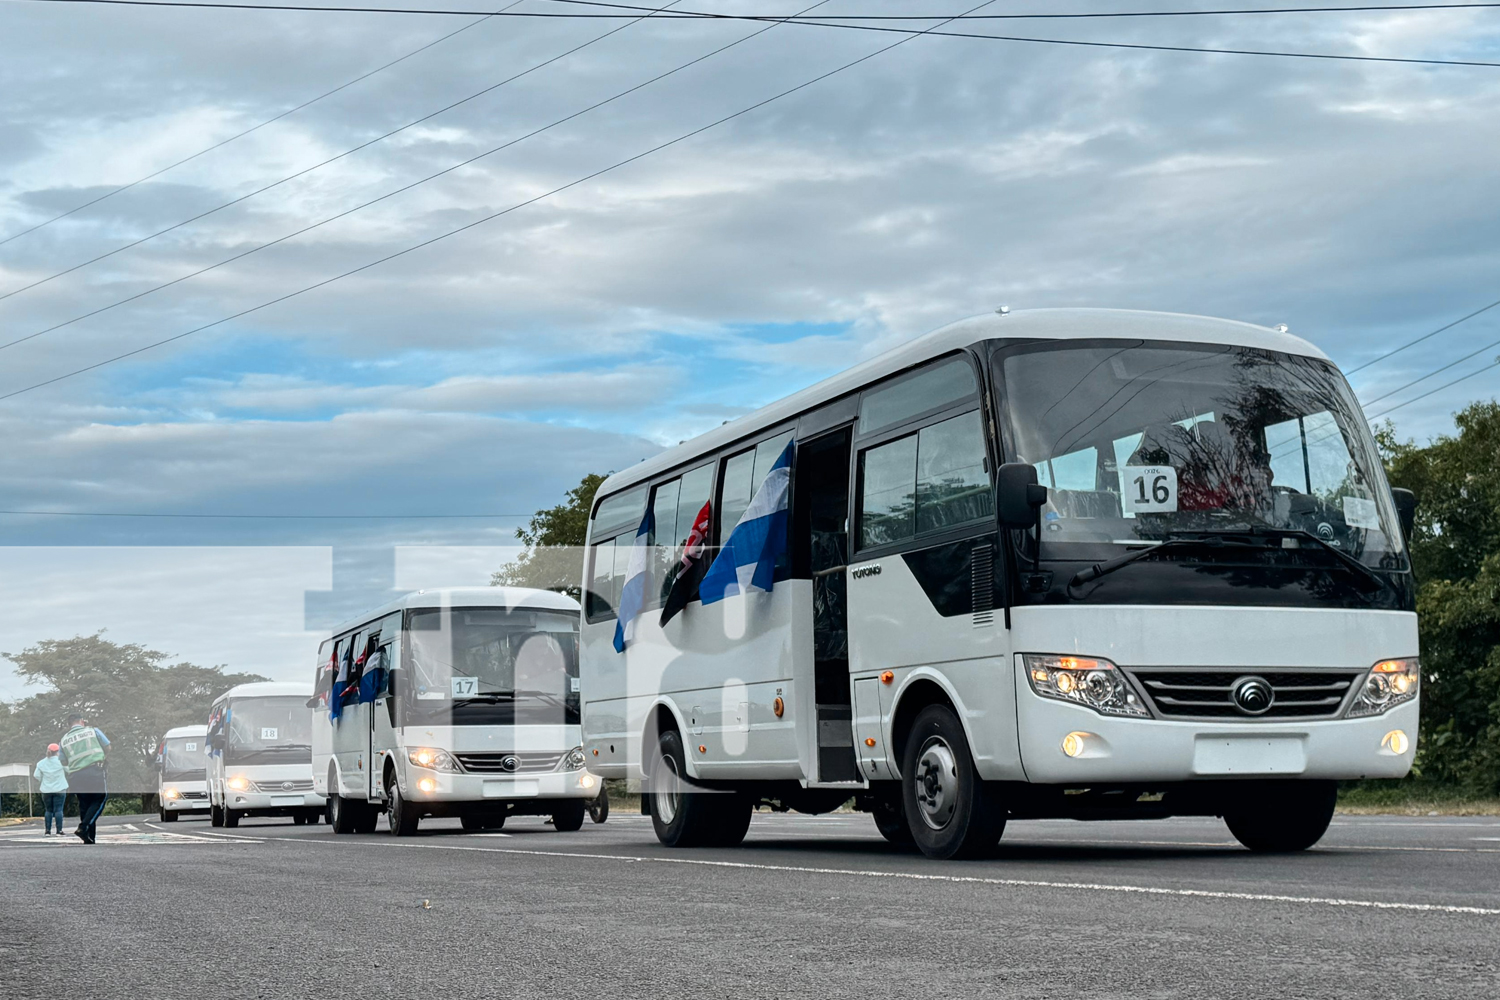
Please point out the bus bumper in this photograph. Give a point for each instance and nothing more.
(425, 786)
(271, 803)
(1112, 749)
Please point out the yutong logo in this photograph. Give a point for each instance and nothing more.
(287, 786)
(1253, 695)
(873, 569)
(509, 764)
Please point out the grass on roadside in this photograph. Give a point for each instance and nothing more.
(1412, 798)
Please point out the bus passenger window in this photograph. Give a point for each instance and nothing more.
(943, 384)
(738, 483)
(952, 484)
(604, 583)
(675, 507)
(888, 502)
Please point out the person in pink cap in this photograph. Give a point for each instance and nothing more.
(54, 787)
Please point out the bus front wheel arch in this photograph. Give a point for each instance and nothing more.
(916, 697)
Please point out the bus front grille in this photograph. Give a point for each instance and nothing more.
(523, 762)
(292, 785)
(1200, 694)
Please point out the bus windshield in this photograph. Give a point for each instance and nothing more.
(183, 759)
(1142, 441)
(269, 730)
(490, 666)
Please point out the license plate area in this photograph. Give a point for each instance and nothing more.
(511, 789)
(1249, 754)
(286, 800)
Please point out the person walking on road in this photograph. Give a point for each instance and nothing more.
(83, 751)
(53, 778)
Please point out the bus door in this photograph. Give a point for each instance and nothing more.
(383, 741)
(821, 551)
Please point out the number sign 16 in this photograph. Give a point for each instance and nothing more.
(1150, 489)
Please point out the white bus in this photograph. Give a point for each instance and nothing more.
(460, 702)
(1060, 563)
(182, 774)
(260, 753)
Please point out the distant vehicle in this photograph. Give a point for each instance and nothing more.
(260, 754)
(458, 702)
(182, 773)
(1061, 563)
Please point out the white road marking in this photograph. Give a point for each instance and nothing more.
(1019, 883)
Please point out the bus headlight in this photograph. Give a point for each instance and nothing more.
(432, 759)
(574, 759)
(1083, 680)
(1388, 684)
(169, 793)
(239, 783)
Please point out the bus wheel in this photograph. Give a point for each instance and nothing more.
(341, 815)
(168, 816)
(1283, 816)
(399, 814)
(599, 806)
(231, 817)
(568, 815)
(215, 816)
(684, 815)
(890, 820)
(950, 811)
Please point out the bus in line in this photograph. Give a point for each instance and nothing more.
(455, 703)
(259, 744)
(182, 773)
(1056, 563)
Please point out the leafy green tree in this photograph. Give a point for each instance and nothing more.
(1456, 555)
(554, 540)
(128, 691)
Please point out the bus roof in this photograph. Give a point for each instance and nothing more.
(467, 597)
(185, 731)
(1042, 324)
(268, 689)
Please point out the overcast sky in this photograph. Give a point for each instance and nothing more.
(1356, 202)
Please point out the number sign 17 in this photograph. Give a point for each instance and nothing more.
(465, 687)
(1150, 489)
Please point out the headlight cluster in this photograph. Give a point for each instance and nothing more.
(239, 783)
(1083, 680)
(574, 759)
(1388, 684)
(432, 759)
(169, 793)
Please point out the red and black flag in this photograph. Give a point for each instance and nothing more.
(691, 566)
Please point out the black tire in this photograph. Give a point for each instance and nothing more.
(343, 814)
(682, 813)
(599, 806)
(215, 816)
(399, 814)
(312, 815)
(478, 822)
(568, 815)
(890, 820)
(298, 819)
(950, 811)
(168, 816)
(231, 818)
(1282, 817)
(366, 816)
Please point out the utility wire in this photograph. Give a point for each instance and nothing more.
(1425, 336)
(717, 16)
(301, 173)
(266, 517)
(253, 128)
(1435, 371)
(487, 218)
(1430, 392)
(403, 188)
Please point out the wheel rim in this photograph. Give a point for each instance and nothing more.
(668, 800)
(937, 783)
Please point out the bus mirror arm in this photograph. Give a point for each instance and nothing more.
(1406, 509)
(1018, 500)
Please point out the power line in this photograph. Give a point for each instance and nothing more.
(1425, 336)
(267, 517)
(1435, 371)
(487, 218)
(301, 173)
(253, 128)
(717, 16)
(1448, 385)
(405, 187)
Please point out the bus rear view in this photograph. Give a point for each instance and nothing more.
(1062, 563)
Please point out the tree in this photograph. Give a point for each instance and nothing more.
(126, 690)
(1456, 556)
(554, 540)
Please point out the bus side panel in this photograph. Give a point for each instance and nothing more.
(322, 748)
(351, 745)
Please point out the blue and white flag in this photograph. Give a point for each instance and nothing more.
(633, 593)
(748, 558)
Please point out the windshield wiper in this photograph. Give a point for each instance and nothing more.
(1212, 541)
(1343, 557)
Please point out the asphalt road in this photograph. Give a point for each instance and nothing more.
(809, 906)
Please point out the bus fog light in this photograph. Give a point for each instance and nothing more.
(1083, 680)
(1396, 742)
(586, 780)
(1388, 684)
(427, 784)
(1073, 743)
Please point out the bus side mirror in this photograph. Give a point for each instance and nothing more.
(1406, 509)
(1018, 495)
